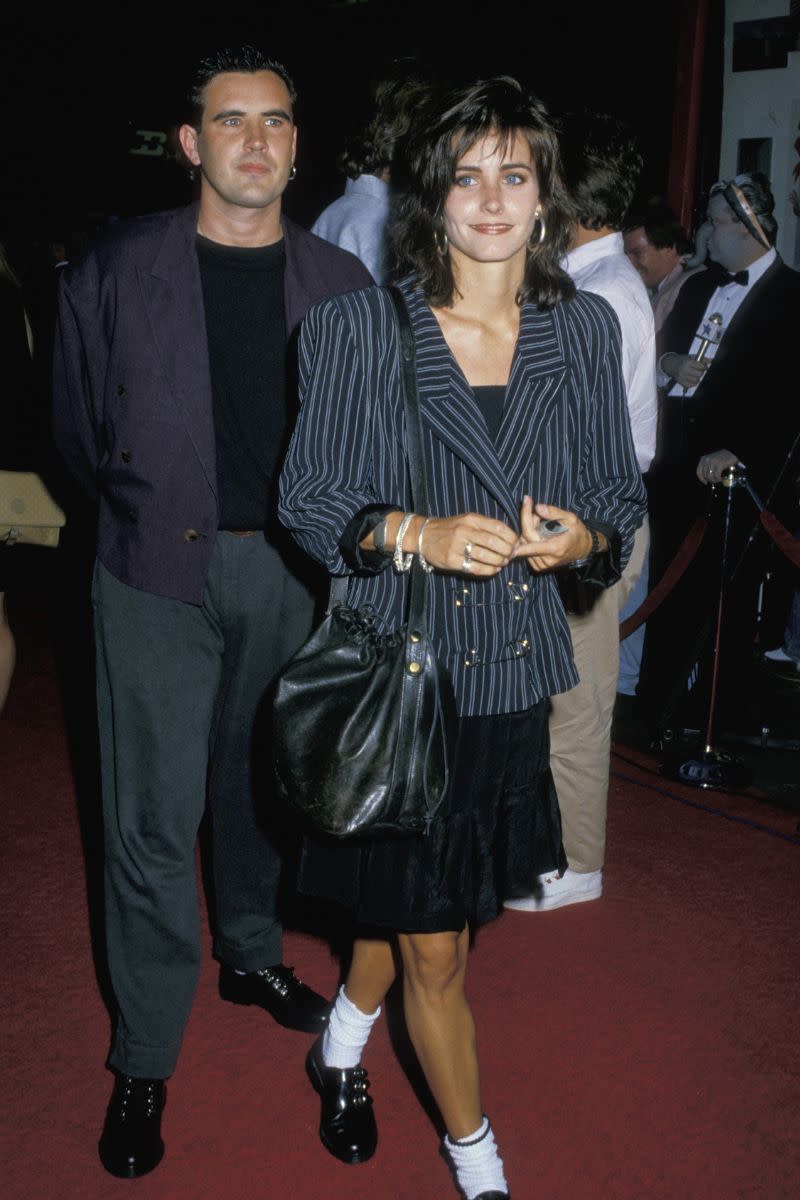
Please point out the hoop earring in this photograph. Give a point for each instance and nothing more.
(535, 242)
(293, 173)
(441, 243)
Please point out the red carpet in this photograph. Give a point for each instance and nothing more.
(643, 1047)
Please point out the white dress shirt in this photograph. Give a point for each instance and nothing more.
(725, 301)
(357, 222)
(602, 267)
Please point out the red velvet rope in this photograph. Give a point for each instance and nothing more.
(686, 552)
(781, 537)
(788, 545)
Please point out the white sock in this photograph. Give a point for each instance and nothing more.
(479, 1167)
(347, 1033)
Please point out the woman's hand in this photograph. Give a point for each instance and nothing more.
(469, 543)
(546, 554)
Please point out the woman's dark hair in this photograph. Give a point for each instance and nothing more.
(447, 130)
(602, 164)
(244, 59)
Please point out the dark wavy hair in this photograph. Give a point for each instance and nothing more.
(446, 131)
(662, 228)
(246, 60)
(395, 103)
(602, 164)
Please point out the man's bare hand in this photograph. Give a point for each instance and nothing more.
(711, 466)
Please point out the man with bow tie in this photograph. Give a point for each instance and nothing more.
(728, 364)
(716, 381)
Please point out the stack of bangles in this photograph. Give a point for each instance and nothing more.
(402, 562)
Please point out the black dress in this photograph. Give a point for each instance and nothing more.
(497, 828)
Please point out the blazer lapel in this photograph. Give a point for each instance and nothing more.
(537, 375)
(448, 406)
(173, 299)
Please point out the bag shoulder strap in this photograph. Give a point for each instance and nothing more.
(417, 609)
(408, 374)
(417, 604)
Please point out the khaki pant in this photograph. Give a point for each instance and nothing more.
(580, 720)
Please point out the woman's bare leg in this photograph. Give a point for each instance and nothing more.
(372, 972)
(440, 1024)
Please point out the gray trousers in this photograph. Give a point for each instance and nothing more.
(178, 689)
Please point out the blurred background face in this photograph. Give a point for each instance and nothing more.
(730, 243)
(652, 264)
(491, 208)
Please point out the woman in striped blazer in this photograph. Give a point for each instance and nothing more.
(524, 419)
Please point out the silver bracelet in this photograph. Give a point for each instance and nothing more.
(402, 562)
(423, 562)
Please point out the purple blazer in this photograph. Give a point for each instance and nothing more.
(132, 406)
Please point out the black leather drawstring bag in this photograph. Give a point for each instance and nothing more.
(363, 721)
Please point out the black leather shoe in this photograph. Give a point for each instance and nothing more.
(131, 1144)
(347, 1123)
(281, 993)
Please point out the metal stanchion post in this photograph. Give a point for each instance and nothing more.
(713, 767)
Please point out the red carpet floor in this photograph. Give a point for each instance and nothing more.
(643, 1047)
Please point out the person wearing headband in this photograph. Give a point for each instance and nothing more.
(727, 357)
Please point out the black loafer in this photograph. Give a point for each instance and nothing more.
(347, 1123)
(279, 991)
(131, 1144)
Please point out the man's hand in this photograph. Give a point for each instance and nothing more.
(684, 369)
(711, 466)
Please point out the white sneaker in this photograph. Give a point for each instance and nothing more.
(780, 655)
(574, 887)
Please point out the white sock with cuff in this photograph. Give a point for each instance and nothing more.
(477, 1163)
(347, 1033)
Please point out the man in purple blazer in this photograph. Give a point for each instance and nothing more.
(172, 407)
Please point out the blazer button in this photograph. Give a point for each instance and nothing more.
(126, 456)
(120, 389)
(190, 535)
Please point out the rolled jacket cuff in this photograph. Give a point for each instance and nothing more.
(603, 569)
(365, 562)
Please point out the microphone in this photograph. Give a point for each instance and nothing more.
(711, 335)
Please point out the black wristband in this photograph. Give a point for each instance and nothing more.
(379, 537)
(593, 550)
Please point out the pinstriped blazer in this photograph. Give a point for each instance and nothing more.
(564, 439)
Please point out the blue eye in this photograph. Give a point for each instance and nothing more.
(465, 180)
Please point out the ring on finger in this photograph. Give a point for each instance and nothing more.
(467, 563)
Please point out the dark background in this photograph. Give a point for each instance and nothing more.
(81, 81)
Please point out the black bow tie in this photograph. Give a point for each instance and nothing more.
(742, 277)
